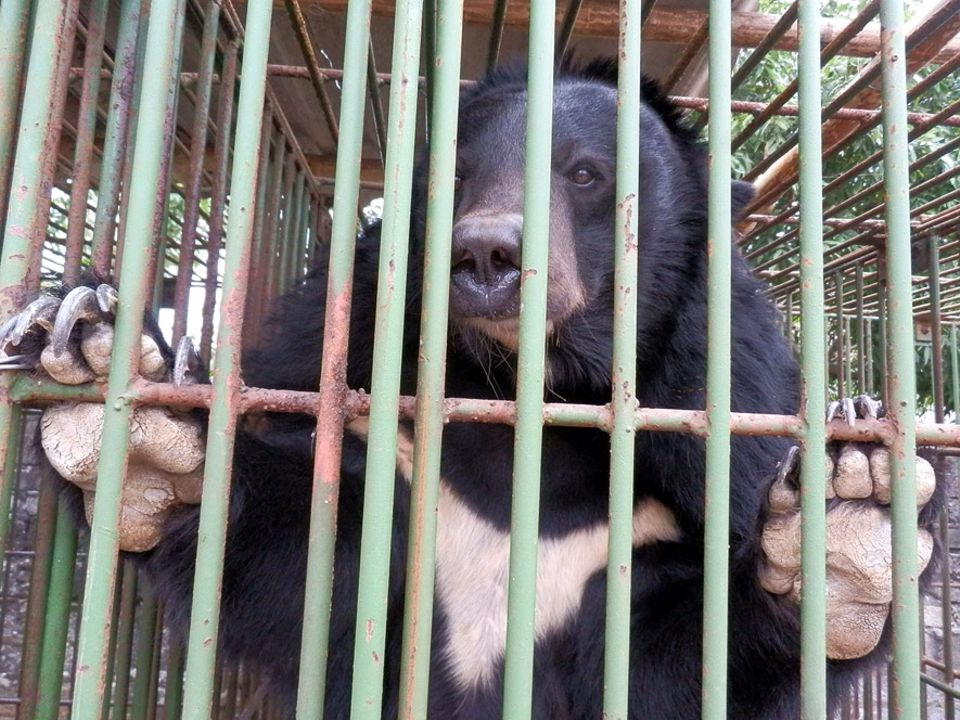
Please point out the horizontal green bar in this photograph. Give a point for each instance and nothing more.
(940, 685)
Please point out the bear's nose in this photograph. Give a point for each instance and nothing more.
(485, 266)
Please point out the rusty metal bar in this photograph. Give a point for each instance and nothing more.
(198, 146)
(376, 106)
(567, 25)
(301, 29)
(57, 614)
(117, 131)
(86, 131)
(46, 521)
(496, 33)
(225, 117)
(123, 650)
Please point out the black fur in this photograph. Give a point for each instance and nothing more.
(266, 548)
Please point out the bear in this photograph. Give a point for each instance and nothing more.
(266, 543)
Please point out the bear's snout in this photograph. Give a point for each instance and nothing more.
(485, 266)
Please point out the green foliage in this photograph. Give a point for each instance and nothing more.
(860, 194)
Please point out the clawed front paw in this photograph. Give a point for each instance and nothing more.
(71, 340)
(859, 558)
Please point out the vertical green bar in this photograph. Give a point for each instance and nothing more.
(173, 699)
(124, 639)
(14, 16)
(117, 124)
(295, 237)
(902, 372)
(134, 288)
(813, 642)
(143, 654)
(955, 373)
(616, 662)
(208, 580)
(323, 508)
(428, 428)
(387, 355)
(717, 511)
(57, 619)
(528, 435)
(12, 440)
(286, 231)
(842, 375)
(26, 224)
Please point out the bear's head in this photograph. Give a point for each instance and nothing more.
(488, 220)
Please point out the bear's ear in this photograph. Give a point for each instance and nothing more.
(740, 196)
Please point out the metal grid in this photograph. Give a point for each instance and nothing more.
(161, 228)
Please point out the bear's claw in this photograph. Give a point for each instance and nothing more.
(859, 558)
(71, 340)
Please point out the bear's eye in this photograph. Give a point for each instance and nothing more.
(582, 176)
(457, 182)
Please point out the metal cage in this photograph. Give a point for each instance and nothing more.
(154, 142)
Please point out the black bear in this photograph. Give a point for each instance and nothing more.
(266, 543)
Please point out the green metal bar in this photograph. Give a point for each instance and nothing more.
(112, 655)
(862, 348)
(376, 104)
(133, 293)
(224, 410)
(153, 684)
(11, 463)
(428, 426)
(813, 633)
(496, 33)
(569, 23)
(326, 474)
(955, 372)
(57, 619)
(37, 600)
(255, 293)
(143, 654)
(884, 347)
(124, 639)
(14, 19)
(198, 146)
(218, 195)
(26, 220)
(842, 375)
(304, 235)
(387, 356)
(946, 612)
(115, 134)
(86, 137)
(616, 663)
(528, 436)
(719, 278)
(173, 700)
(948, 690)
(902, 371)
(285, 223)
(274, 226)
(936, 329)
(294, 244)
(429, 55)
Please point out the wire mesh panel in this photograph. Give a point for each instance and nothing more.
(233, 283)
